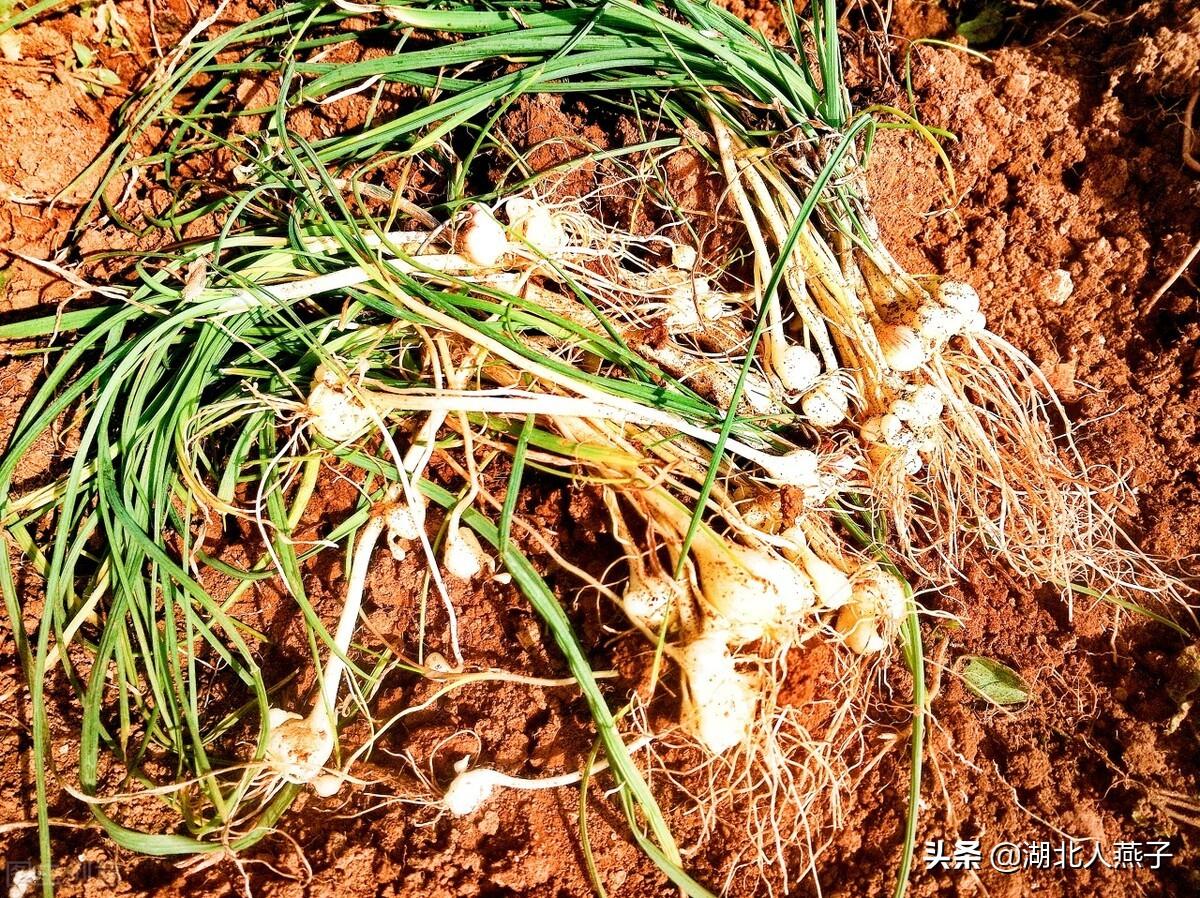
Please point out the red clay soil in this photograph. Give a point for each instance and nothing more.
(1073, 208)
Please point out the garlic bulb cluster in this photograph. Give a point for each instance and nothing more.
(877, 605)
(687, 301)
(740, 594)
(751, 593)
(952, 311)
(746, 603)
(719, 700)
(910, 427)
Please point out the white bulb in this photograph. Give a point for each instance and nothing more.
(872, 431)
(796, 468)
(690, 305)
(912, 460)
(296, 750)
(879, 593)
(832, 586)
(891, 430)
(684, 256)
(974, 323)
(902, 347)
(960, 297)
(326, 785)
(469, 790)
(861, 633)
(712, 305)
(721, 701)
(826, 404)
(928, 403)
(404, 523)
(878, 596)
(463, 556)
(798, 368)
(937, 323)
(646, 600)
(750, 592)
(533, 222)
(905, 410)
(481, 239)
(333, 411)
(819, 492)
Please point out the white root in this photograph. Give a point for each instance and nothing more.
(299, 747)
(472, 788)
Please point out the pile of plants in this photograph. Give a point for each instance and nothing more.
(788, 433)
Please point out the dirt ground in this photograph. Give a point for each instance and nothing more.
(1073, 207)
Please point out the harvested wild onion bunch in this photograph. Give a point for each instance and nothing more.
(330, 322)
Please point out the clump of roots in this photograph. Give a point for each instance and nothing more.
(961, 439)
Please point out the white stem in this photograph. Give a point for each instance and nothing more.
(336, 666)
(451, 264)
(517, 402)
